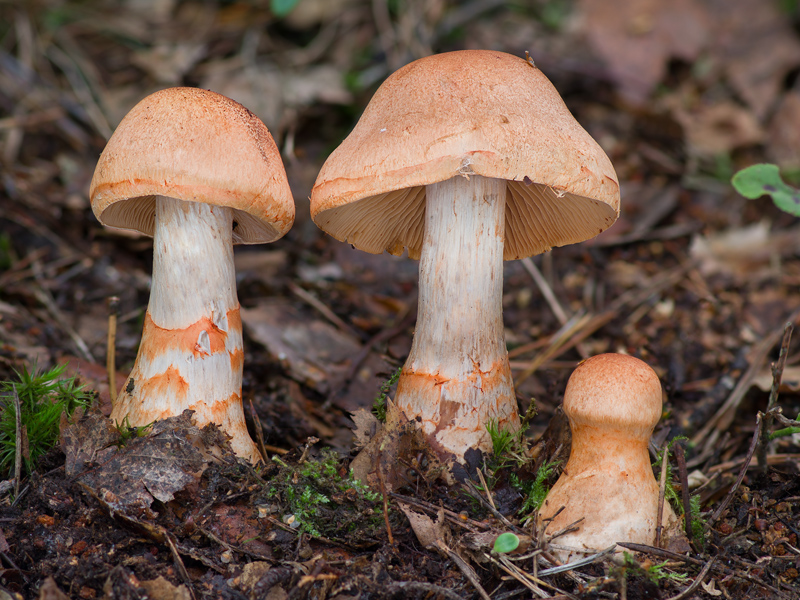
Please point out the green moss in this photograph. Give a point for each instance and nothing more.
(324, 500)
(43, 398)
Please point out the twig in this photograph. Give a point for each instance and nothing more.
(645, 549)
(259, 431)
(382, 484)
(697, 581)
(465, 569)
(683, 477)
(589, 324)
(326, 312)
(486, 489)
(729, 496)
(662, 490)
(581, 562)
(111, 362)
(722, 419)
(519, 575)
(777, 375)
(550, 297)
(490, 507)
(44, 296)
(18, 448)
(176, 557)
(450, 515)
(547, 291)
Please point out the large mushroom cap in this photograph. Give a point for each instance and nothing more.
(198, 146)
(614, 391)
(462, 113)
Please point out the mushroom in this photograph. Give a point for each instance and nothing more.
(198, 172)
(613, 402)
(465, 159)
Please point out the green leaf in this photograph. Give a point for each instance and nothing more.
(765, 179)
(281, 8)
(505, 542)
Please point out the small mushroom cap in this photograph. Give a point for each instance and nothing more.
(614, 391)
(198, 146)
(461, 113)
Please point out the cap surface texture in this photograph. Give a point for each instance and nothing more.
(462, 113)
(198, 146)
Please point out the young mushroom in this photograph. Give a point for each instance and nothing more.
(465, 159)
(198, 172)
(613, 402)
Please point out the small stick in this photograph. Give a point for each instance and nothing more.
(486, 489)
(259, 431)
(547, 291)
(777, 375)
(645, 549)
(662, 490)
(18, 448)
(181, 568)
(326, 312)
(385, 497)
(697, 581)
(729, 496)
(111, 361)
(683, 476)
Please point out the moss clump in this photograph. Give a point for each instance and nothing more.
(325, 500)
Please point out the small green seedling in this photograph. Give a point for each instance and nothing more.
(505, 543)
(43, 398)
(765, 180)
(785, 432)
(127, 432)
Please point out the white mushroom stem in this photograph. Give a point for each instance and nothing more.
(457, 377)
(191, 350)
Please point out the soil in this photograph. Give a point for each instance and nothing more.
(693, 279)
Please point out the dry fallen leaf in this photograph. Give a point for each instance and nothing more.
(637, 39)
(742, 252)
(757, 46)
(312, 351)
(432, 535)
(718, 128)
(161, 589)
(366, 426)
(170, 457)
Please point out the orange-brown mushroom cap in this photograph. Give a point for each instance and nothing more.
(198, 146)
(616, 393)
(462, 113)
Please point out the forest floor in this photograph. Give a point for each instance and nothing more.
(695, 280)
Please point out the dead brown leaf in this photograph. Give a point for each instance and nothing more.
(432, 535)
(366, 426)
(718, 128)
(637, 39)
(161, 589)
(169, 458)
(757, 45)
(312, 351)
